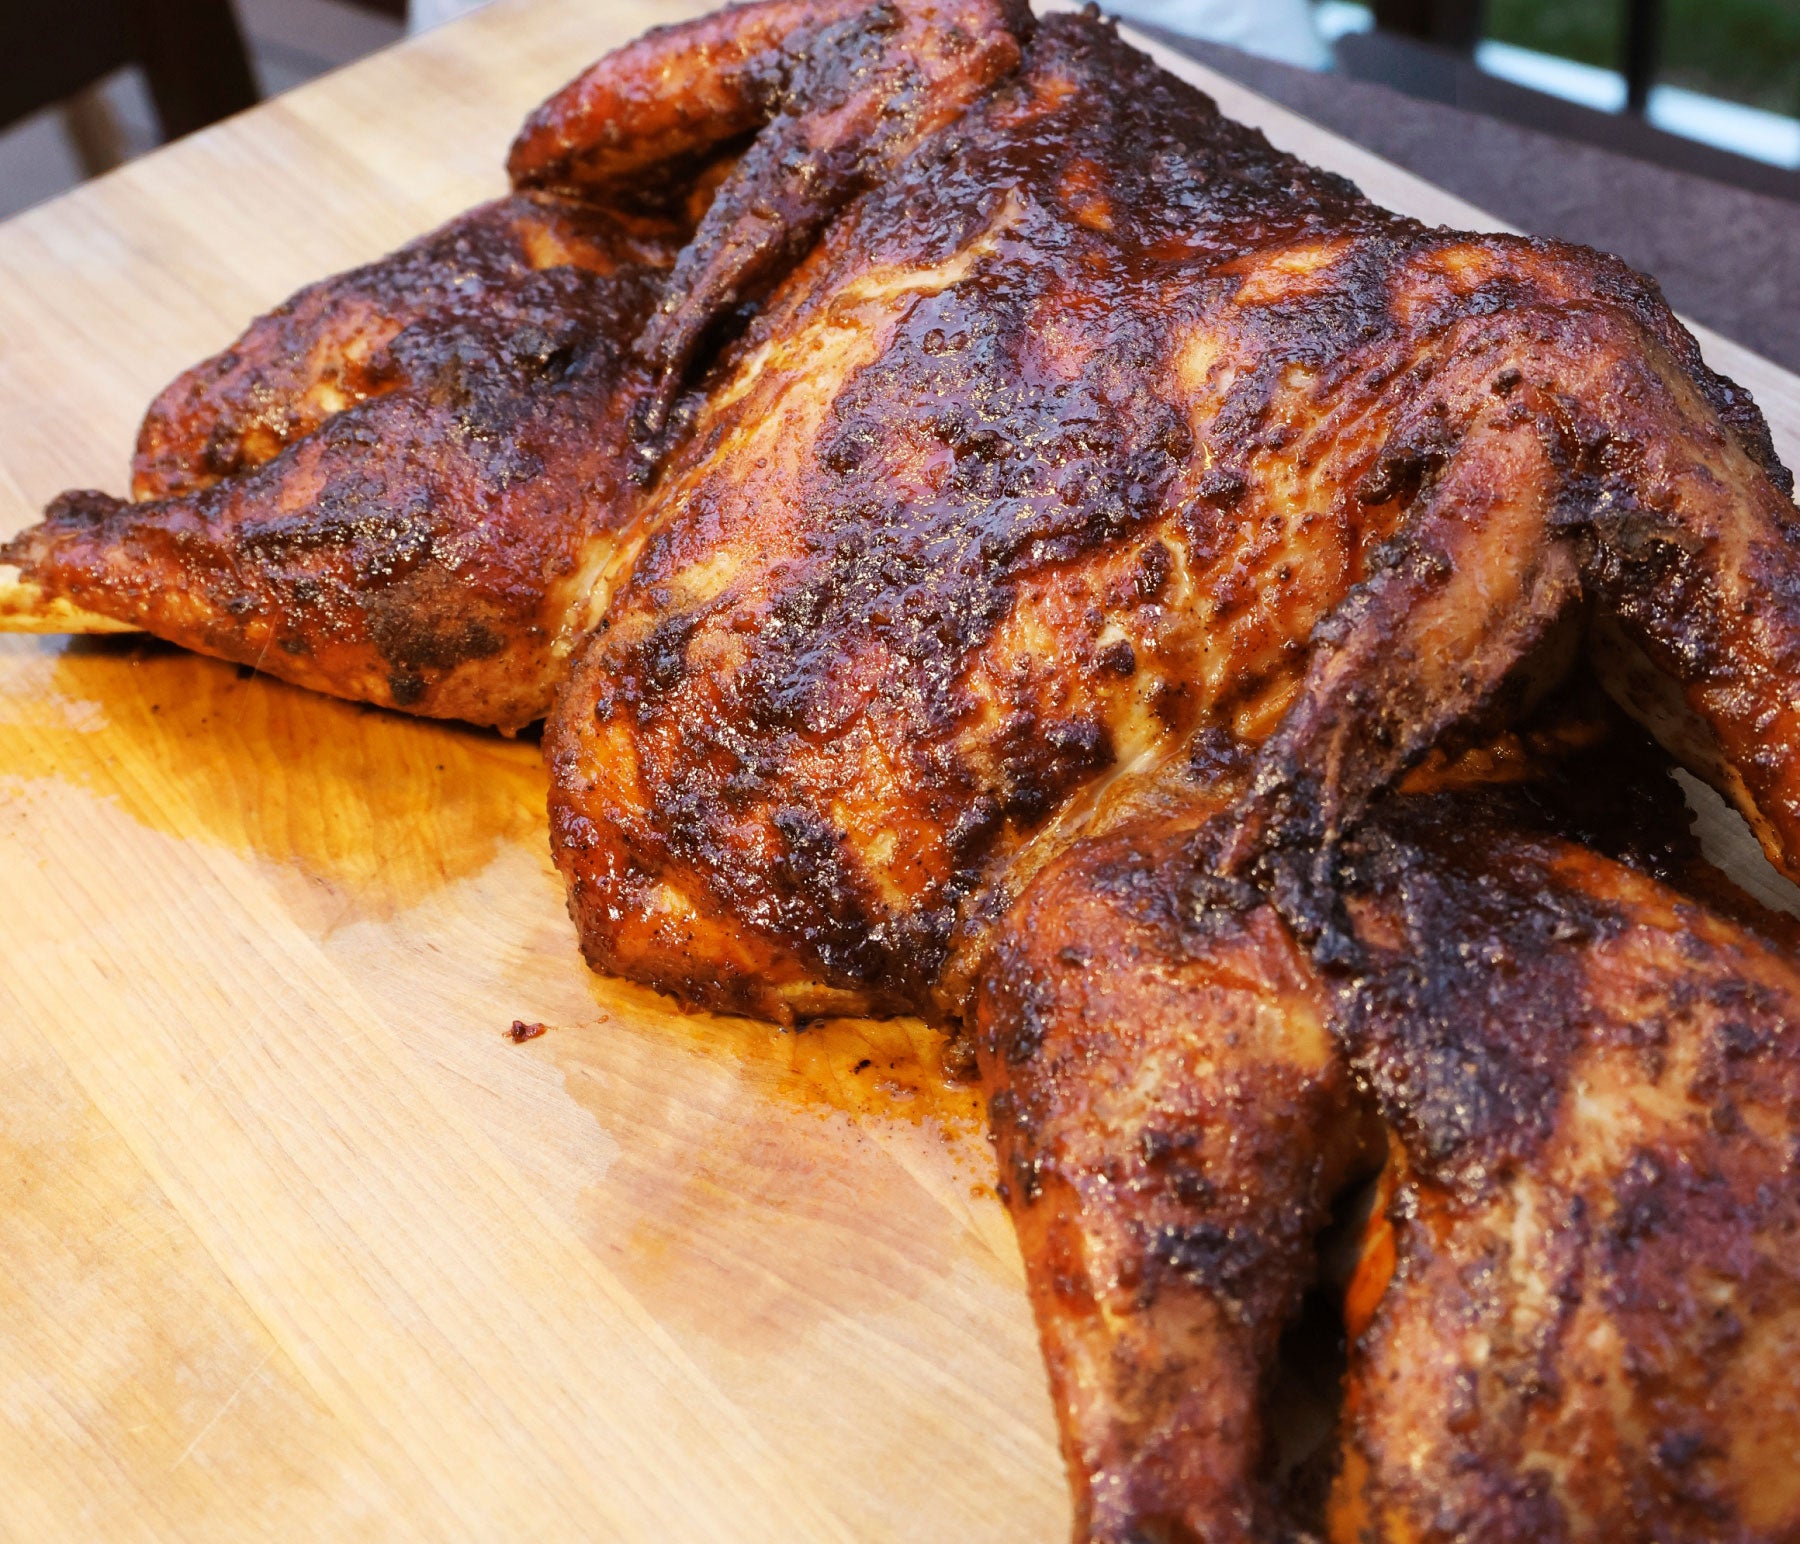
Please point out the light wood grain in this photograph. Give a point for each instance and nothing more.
(28, 608)
(298, 1243)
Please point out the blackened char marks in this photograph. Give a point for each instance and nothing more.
(1170, 1123)
(1073, 441)
(1610, 1274)
(1461, 1021)
(389, 487)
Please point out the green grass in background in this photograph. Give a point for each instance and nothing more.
(1747, 50)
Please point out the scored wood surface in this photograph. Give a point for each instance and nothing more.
(298, 1242)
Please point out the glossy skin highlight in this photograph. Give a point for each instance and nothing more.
(1095, 425)
(402, 485)
(1023, 527)
(1591, 1306)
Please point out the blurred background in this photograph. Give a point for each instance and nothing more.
(88, 84)
(1667, 131)
(1706, 86)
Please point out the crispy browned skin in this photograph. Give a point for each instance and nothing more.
(1094, 424)
(406, 484)
(1172, 1121)
(1568, 446)
(1593, 1318)
(839, 89)
(1591, 1085)
(1037, 466)
(401, 485)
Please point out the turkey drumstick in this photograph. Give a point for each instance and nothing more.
(1576, 1310)
(995, 533)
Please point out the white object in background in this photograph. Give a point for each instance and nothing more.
(422, 15)
(1336, 18)
(1276, 29)
(1749, 131)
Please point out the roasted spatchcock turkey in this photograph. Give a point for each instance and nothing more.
(996, 540)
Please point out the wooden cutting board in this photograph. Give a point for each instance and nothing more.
(296, 1241)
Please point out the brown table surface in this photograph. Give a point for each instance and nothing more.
(297, 1242)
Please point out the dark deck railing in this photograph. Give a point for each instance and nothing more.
(1457, 24)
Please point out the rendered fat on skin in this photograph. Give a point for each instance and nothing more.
(1576, 1313)
(407, 485)
(1089, 426)
(1172, 1120)
(403, 485)
(1579, 1308)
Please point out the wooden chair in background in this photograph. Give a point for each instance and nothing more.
(191, 52)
